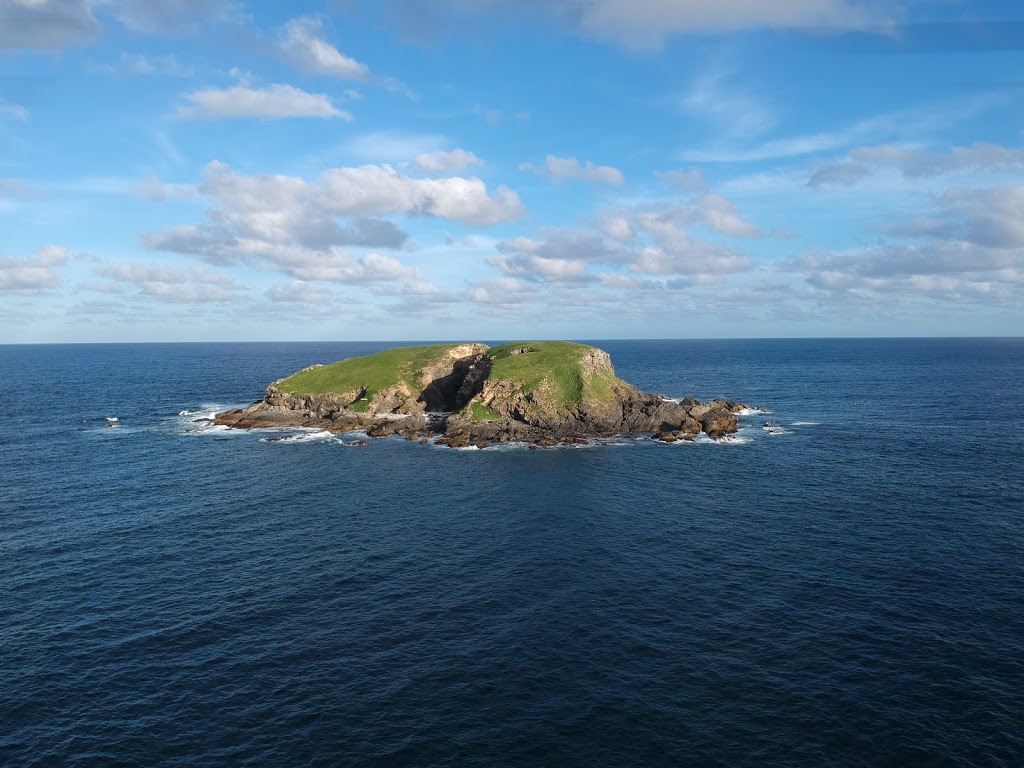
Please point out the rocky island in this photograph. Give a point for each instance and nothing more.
(544, 393)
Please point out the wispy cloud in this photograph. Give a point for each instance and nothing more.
(562, 169)
(274, 101)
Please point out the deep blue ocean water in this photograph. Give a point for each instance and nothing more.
(848, 594)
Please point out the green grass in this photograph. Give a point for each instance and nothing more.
(556, 363)
(480, 412)
(374, 372)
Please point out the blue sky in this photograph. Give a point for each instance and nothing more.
(489, 169)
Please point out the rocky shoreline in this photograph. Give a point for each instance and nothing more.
(451, 396)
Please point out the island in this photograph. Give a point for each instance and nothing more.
(544, 393)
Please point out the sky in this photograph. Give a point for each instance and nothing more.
(236, 170)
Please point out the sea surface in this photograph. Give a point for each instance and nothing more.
(845, 591)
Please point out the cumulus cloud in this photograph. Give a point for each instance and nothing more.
(920, 163)
(46, 24)
(177, 284)
(446, 162)
(372, 190)
(554, 270)
(973, 247)
(562, 169)
(915, 163)
(304, 46)
(297, 292)
(302, 228)
(639, 241)
(241, 101)
(689, 181)
(723, 216)
(35, 274)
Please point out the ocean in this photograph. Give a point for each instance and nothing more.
(847, 590)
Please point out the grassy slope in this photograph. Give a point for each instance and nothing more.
(374, 372)
(555, 364)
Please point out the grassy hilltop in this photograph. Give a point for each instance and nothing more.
(541, 391)
(361, 379)
(549, 375)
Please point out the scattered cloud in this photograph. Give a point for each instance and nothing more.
(240, 101)
(846, 174)
(302, 228)
(532, 267)
(46, 24)
(688, 181)
(141, 64)
(562, 169)
(298, 292)
(372, 190)
(646, 23)
(33, 275)
(446, 162)
(304, 46)
(973, 248)
(916, 163)
(163, 16)
(178, 284)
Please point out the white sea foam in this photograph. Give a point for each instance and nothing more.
(752, 411)
(805, 423)
(299, 435)
(732, 440)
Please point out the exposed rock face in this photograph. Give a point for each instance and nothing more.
(463, 396)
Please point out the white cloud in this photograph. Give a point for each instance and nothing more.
(974, 250)
(846, 174)
(446, 162)
(917, 163)
(33, 275)
(15, 111)
(371, 190)
(162, 16)
(298, 292)
(531, 267)
(291, 225)
(733, 112)
(649, 22)
(46, 24)
(303, 45)
(722, 216)
(141, 64)
(178, 284)
(689, 181)
(561, 169)
(274, 101)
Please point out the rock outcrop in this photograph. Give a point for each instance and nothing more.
(542, 392)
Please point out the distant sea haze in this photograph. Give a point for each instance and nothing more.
(841, 587)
